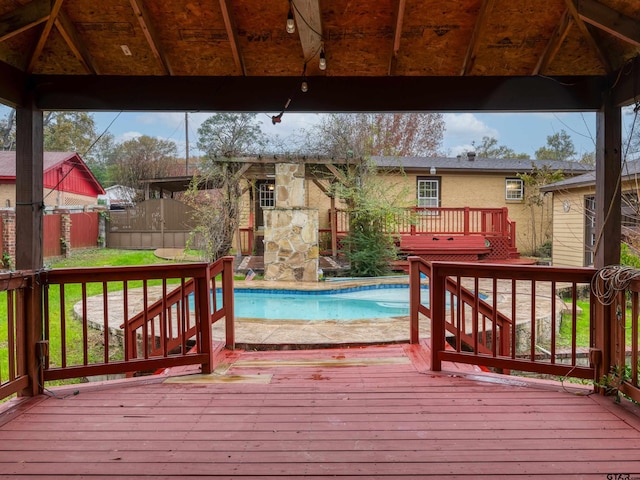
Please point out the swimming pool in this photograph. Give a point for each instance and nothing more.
(383, 301)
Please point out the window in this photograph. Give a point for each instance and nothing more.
(514, 189)
(428, 192)
(267, 194)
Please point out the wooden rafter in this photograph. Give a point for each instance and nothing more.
(321, 186)
(472, 50)
(584, 29)
(338, 174)
(23, 18)
(309, 26)
(397, 35)
(233, 36)
(555, 42)
(150, 34)
(609, 20)
(75, 43)
(44, 35)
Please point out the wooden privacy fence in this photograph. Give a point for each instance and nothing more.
(155, 223)
(65, 231)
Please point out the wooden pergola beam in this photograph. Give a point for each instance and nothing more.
(23, 18)
(611, 21)
(472, 50)
(555, 42)
(626, 84)
(233, 36)
(309, 26)
(56, 5)
(75, 42)
(330, 93)
(586, 33)
(397, 35)
(12, 85)
(150, 34)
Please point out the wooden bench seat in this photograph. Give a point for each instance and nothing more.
(443, 244)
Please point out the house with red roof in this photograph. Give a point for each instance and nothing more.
(67, 180)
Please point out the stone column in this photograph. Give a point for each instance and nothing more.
(291, 230)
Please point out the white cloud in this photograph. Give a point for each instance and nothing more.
(466, 127)
(461, 130)
(130, 135)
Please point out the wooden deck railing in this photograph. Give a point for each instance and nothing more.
(442, 221)
(515, 326)
(14, 377)
(164, 309)
(624, 338)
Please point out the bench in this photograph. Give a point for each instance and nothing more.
(444, 245)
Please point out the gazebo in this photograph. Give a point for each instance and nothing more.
(391, 56)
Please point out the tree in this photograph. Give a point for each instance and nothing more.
(222, 136)
(69, 132)
(559, 147)
(373, 207)
(489, 148)
(143, 158)
(364, 135)
(230, 135)
(8, 131)
(588, 158)
(533, 181)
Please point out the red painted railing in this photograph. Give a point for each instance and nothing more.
(443, 221)
(14, 377)
(163, 309)
(515, 326)
(622, 298)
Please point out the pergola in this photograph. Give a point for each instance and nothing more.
(388, 55)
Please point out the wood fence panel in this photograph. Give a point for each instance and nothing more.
(52, 233)
(84, 229)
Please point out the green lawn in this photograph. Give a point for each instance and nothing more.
(104, 257)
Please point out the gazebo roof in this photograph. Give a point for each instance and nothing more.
(387, 55)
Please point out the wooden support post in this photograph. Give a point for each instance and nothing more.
(29, 188)
(227, 302)
(334, 228)
(203, 319)
(438, 310)
(608, 220)
(29, 210)
(414, 300)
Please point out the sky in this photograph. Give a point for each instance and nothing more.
(522, 132)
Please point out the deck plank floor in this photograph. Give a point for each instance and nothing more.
(370, 412)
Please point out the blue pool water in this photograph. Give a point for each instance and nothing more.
(345, 304)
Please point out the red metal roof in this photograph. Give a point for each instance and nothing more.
(64, 171)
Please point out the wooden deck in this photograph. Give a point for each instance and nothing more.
(370, 412)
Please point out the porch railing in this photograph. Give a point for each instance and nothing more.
(442, 221)
(16, 287)
(624, 339)
(164, 310)
(506, 317)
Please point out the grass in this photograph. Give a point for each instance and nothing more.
(104, 257)
(582, 327)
